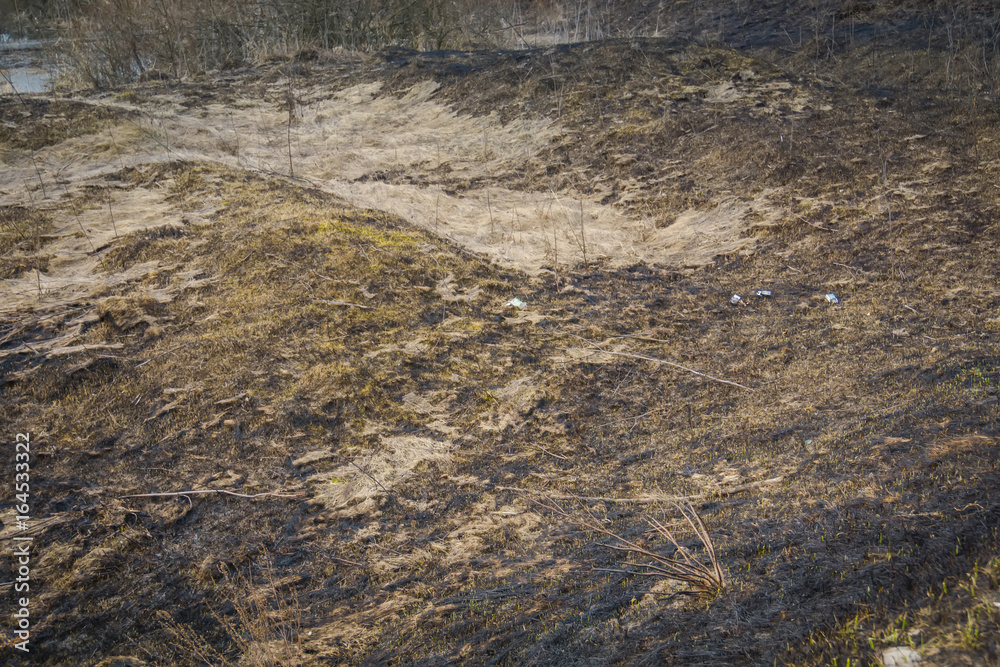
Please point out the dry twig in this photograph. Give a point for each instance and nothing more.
(660, 361)
(369, 476)
(647, 500)
(208, 491)
(342, 303)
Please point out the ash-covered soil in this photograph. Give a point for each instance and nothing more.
(286, 290)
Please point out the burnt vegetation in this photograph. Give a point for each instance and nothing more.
(459, 480)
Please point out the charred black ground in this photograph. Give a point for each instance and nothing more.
(290, 343)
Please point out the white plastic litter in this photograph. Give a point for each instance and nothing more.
(900, 656)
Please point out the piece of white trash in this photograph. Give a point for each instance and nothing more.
(900, 656)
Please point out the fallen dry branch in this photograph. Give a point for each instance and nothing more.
(813, 224)
(349, 562)
(660, 361)
(369, 476)
(647, 500)
(342, 303)
(196, 492)
(157, 356)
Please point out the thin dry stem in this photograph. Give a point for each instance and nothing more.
(195, 492)
(661, 361)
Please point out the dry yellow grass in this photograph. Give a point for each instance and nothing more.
(249, 332)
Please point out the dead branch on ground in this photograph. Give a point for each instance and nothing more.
(647, 500)
(195, 492)
(659, 361)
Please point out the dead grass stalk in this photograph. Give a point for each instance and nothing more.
(705, 579)
(265, 631)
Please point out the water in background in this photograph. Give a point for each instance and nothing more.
(22, 66)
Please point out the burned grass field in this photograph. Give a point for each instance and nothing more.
(287, 291)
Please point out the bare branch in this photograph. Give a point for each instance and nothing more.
(647, 500)
(660, 361)
(274, 494)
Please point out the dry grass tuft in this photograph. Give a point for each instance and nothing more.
(705, 579)
(106, 43)
(264, 633)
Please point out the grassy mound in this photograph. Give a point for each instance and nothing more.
(272, 426)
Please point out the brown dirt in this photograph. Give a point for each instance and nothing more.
(203, 320)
